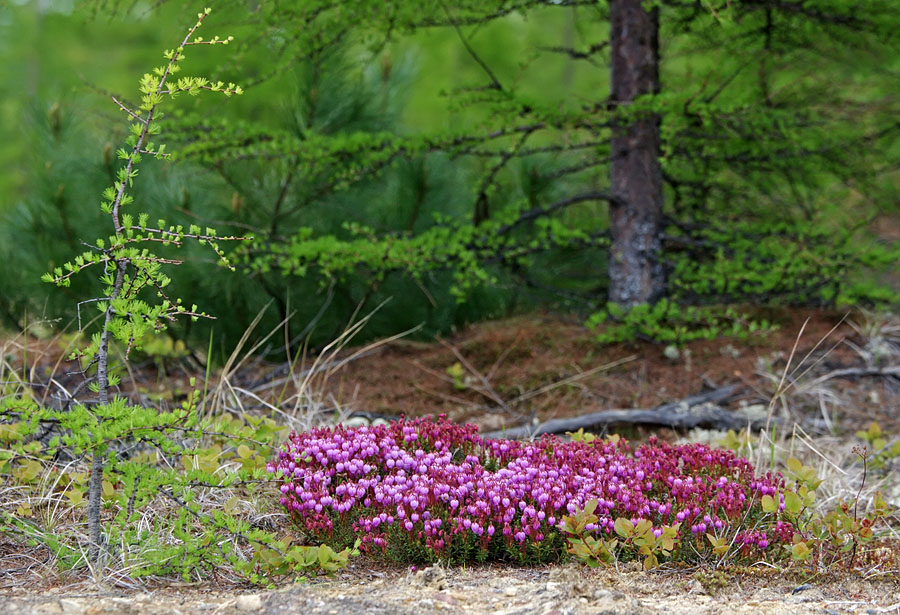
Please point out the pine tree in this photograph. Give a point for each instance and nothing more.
(765, 111)
(722, 151)
(636, 215)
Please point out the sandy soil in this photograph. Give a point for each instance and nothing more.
(501, 591)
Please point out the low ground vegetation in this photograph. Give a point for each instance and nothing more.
(218, 488)
(209, 484)
(426, 490)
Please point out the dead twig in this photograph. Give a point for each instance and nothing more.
(487, 390)
(572, 379)
(858, 372)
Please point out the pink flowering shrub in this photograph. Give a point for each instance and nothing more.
(429, 489)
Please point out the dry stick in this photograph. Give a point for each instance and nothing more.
(807, 440)
(273, 408)
(553, 385)
(432, 372)
(814, 348)
(781, 389)
(325, 362)
(445, 397)
(451, 398)
(524, 396)
(52, 488)
(816, 362)
(503, 356)
(301, 352)
(218, 393)
(488, 391)
(678, 414)
(234, 395)
(332, 365)
(328, 366)
(857, 372)
(336, 345)
(784, 374)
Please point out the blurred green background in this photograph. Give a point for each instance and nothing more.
(61, 61)
(58, 129)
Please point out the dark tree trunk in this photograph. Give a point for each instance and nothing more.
(635, 268)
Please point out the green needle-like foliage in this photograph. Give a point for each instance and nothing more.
(130, 270)
(456, 158)
(141, 455)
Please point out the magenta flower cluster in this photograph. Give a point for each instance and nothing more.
(438, 485)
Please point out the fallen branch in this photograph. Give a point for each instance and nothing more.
(694, 411)
(858, 372)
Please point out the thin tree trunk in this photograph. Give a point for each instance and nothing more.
(95, 486)
(635, 267)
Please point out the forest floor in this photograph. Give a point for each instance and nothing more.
(527, 370)
(502, 373)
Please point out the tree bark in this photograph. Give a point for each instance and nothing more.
(95, 485)
(635, 267)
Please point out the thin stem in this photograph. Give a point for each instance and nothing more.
(120, 193)
(95, 487)
(96, 482)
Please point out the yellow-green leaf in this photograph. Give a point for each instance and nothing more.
(800, 551)
(624, 527)
(76, 496)
(232, 504)
(792, 503)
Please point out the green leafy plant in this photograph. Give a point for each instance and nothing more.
(284, 560)
(740, 442)
(458, 374)
(129, 270)
(586, 547)
(835, 535)
(159, 520)
(786, 524)
(843, 529)
(634, 539)
(881, 451)
(787, 262)
(640, 536)
(668, 322)
(147, 464)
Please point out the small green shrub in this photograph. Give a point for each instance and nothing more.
(179, 492)
(668, 322)
(139, 455)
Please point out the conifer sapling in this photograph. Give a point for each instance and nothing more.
(130, 270)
